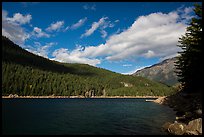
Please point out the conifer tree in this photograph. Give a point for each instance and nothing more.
(189, 64)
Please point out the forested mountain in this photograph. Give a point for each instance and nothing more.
(163, 72)
(24, 73)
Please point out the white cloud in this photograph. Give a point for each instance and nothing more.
(188, 10)
(127, 65)
(103, 33)
(39, 33)
(55, 26)
(4, 15)
(186, 13)
(116, 21)
(11, 27)
(89, 7)
(63, 55)
(153, 35)
(86, 7)
(39, 49)
(149, 54)
(78, 24)
(67, 28)
(118, 31)
(102, 24)
(94, 26)
(167, 57)
(107, 24)
(111, 25)
(20, 19)
(135, 70)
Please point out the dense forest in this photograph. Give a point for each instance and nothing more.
(24, 73)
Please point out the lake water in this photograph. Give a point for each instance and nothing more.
(84, 116)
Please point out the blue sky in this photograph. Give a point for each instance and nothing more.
(118, 36)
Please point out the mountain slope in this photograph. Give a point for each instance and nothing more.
(27, 74)
(162, 72)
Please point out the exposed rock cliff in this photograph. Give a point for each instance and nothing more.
(162, 72)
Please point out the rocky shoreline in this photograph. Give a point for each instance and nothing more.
(53, 96)
(188, 107)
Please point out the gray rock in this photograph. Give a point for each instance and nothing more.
(181, 118)
(15, 95)
(177, 129)
(191, 133)
(195, 125)
(166, 126)
(11, 96)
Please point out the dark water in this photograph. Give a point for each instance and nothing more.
(84, 116)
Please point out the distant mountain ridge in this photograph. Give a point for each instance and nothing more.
(163, 72)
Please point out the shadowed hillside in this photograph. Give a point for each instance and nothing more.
(27, 74)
